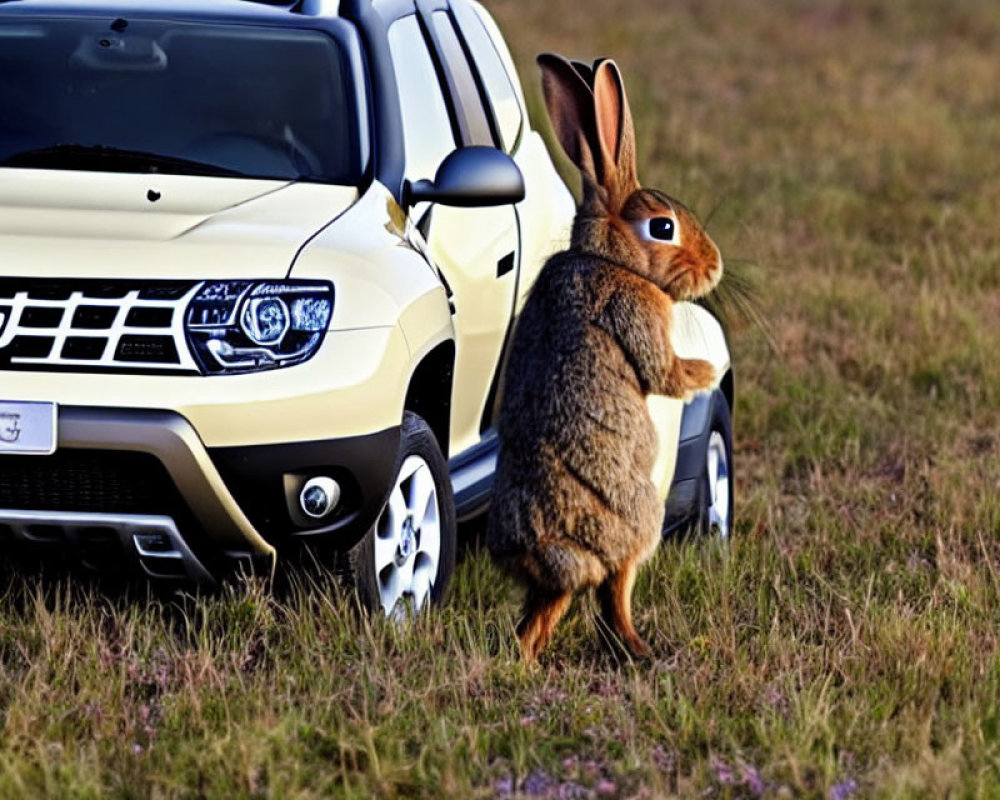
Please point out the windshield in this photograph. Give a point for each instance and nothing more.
(157, 96)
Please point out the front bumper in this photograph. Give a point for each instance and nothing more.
(230, 505)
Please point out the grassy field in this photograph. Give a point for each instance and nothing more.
(844, 645)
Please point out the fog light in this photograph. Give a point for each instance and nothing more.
(319, 496)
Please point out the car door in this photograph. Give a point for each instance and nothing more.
(545, 215)
(476, 249)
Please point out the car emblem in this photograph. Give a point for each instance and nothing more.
(10, 427)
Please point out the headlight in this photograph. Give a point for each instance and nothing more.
(265, 320)
(241, 326)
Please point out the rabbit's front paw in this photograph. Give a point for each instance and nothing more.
(698, 376)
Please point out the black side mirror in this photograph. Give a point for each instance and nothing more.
(470, 177)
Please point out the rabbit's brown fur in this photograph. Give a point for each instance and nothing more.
(574, 504)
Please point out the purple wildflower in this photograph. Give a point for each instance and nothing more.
(844, 789)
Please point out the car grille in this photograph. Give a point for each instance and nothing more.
(135, 326)
(98, 484)
(89, 480)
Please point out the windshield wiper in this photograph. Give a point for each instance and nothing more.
(112, 159)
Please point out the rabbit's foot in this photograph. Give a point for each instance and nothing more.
(615, 598)
(542, 611)
(622, 646)
(638, 648)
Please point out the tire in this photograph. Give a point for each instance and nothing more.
(715, 517)
(405, 560)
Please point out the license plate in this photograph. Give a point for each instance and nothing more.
(27, 428)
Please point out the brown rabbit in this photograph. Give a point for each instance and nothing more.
(574, 504)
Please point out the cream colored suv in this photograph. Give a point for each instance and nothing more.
(260, 264)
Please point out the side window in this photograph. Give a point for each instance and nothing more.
(427, 132)
(462, 84)
(495, 79)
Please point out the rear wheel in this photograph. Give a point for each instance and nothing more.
(405, 560)
(716, 512)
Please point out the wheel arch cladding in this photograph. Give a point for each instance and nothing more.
(429, 392)
(729, 391)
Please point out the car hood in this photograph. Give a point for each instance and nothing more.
(71, 224)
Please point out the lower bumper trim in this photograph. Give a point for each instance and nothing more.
(151, 543)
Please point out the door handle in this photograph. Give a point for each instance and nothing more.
(505, 264)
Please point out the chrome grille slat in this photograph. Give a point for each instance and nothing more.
(113, 335)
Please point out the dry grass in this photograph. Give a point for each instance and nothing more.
(845, 644)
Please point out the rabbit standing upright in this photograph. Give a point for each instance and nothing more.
(574, 504)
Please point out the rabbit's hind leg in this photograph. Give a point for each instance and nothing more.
(615, 596)
(542, 611)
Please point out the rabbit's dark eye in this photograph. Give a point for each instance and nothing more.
(662, 228)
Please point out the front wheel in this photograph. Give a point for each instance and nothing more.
(405, 560)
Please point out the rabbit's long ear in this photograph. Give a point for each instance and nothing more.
(570, 103)
(585, 71)
(615, 132)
